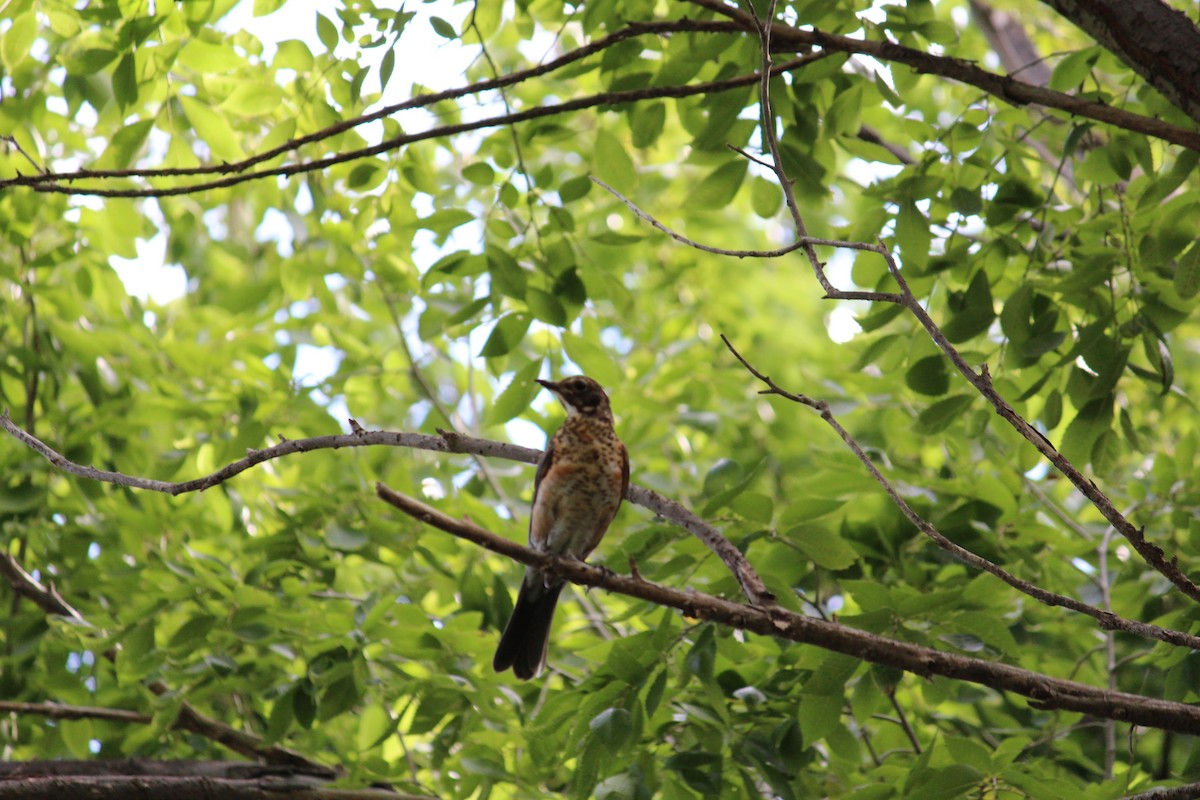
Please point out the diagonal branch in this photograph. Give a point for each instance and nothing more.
(982, 381)
(1107, 620)
(448, 442)
(1043, 691)
(1151, 553)
(188, 718)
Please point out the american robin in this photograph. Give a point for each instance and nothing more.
(580, 482)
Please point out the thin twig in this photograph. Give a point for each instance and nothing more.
(1044, 691)
(1105, 618)
(783, 251)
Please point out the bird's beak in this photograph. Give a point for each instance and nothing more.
(551, 385)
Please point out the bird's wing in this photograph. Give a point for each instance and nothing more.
(543, 467)
(624, 471)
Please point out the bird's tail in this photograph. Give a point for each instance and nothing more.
(523, 644)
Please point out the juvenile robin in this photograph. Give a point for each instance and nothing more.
(580, 482)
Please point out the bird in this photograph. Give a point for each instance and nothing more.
(580, 482)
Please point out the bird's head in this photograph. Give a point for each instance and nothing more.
(580, 394)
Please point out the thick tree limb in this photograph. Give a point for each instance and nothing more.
(448, 442)
(1002, 87)
(1043, 691)
(1158, 42)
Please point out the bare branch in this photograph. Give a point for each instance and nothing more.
(794, 246)
(59, 711)
(660, 28)
(1043, 691)
(982, 381)
(61, 183)
(188, 717)
(1107, 620)
(446, 442)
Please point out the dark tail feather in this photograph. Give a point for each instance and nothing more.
(523, 644)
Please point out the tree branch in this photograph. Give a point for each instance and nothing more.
(448, 442)
(1151, 553)
(188, 717)
(1156, 41)
(59, 711)
(1107, 620)
(1044, 692)
(1010, 90)
(58, 183)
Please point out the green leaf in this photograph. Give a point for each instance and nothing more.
(1093, 419)
(928, 376)
(387, 66)
(818, 715)
(944, 783)
(912, 233)
(516, 397)
(613, 164)
(545, 307)
(646, 122)
(1187, 273)
(365, 176)
(375, 724)
(480, 173)
(612, 728)
(77, 736)
(263, 8)
(941, 415)
(293, 54)
(443, 28)
(718, 189)
(592, 359)
(327, 32)
(125, 86)
(972, 311)
(824, 547)
(505, 336)
(18, 39)
(766, 197)
(574, 188)
(1073, 69)
(213, 129)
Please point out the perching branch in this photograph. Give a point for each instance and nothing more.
(1044, 692)
(448, 442)
(1107, 620)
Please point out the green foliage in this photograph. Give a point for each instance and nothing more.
(437, 280)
